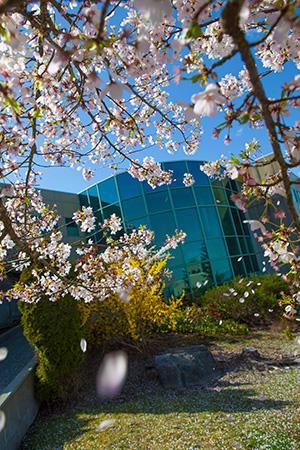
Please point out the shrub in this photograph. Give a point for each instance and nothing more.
(145, 313)
(262, 303)
(194, 319)
(54, 330)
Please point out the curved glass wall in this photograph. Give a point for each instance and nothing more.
(218, 245)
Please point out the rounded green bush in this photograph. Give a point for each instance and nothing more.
(262, 303)
(54, 329)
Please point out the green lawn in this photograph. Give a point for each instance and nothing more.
(248, 409)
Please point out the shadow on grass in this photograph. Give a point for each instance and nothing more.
(195, 401)
(61, 429)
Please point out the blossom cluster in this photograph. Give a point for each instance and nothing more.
(88, 83)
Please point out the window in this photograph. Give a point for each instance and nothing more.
(249, 244)
(128, 186)
(217, 183)
(179, 169)
(222, 271)
(94, 198)
(71, 227)
(238, 266)
(216, 248)
(133, 208)
(176, 258)
(180, 282)
(136, 223)
(163, 224)
(83, 199)
(113, 209)
(108, 192)
(237, 223)
(194, 254)
(248, 264)
(254, 263)
(243, 245)
(210, 221)
(233, 246)
(220, 196)
(226, 221)
(158, 201)
(232, 185)
(244, 225)
(199, 176)
(204, 276)
(188, 221)
(204, 195)
(182, 197)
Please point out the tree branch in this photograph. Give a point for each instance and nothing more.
(231, 16)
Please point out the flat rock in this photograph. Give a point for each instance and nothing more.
(250, 352)
(186, 367)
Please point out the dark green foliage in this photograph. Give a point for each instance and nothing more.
(54, 330)
(262, 305)
(194, 319)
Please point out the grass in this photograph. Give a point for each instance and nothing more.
(248, 409)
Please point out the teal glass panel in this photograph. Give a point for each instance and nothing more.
(83, 199)
(226, 220)
(203, 280)
(176, 257)
(182, 197)
(254, 263)
(233, 246)
(204, 195)
(238, 266)
(220, 196)
(237, 222)
(246, 228)
(232, 185)
(180, 282)
(248, 264)
(113, 209)
(216, 248)
(222, 271)
(229, 193)
(99, 218)
(200, 178)
(217, 183)
(194, 254)
(108, 192)
(133, 208)
(188, 221)
(149, 189)
(243, 245)
(128, 186)
(94, 198)
(179, 168)
(72, 228)
(249, 244)
(136, 223)
(210, 221)
(158, 201)
(162, 224)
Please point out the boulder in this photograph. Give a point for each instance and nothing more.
(186, 367)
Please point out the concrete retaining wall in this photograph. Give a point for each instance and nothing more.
(19, 406)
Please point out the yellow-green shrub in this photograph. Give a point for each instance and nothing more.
(145, 312)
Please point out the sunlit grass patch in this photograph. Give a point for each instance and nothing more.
(232, 417)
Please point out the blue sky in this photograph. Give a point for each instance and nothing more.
(70, 180)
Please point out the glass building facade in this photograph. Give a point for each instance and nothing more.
(218, 245)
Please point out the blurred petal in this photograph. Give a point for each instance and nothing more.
(112, 374)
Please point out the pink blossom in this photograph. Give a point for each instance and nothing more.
(207, 103)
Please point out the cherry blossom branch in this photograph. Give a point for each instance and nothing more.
(231, 25)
